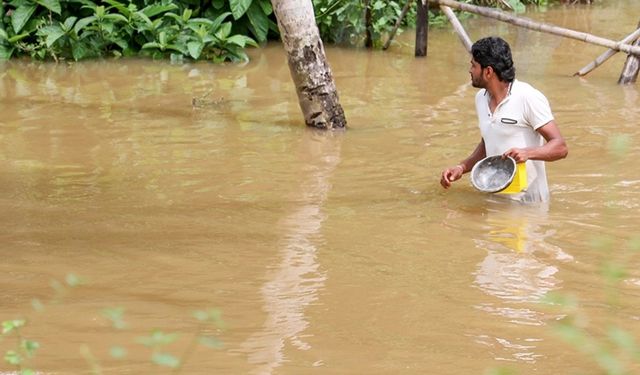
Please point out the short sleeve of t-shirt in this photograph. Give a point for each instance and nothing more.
(537, 111)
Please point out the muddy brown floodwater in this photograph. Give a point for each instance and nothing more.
(327, 253)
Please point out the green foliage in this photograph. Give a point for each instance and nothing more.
(157, 341)
(81, 29)
(614, 350)
(216, 30)
(343, 21)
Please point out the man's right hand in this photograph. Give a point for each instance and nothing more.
(450, 175)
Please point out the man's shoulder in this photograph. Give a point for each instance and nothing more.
(521, 86)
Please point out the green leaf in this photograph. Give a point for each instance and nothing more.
(18, 37)
(82, 23)
(186, 15)
(224, 31)
(79, 51)
(259, 21)
(150, 45)
(21, 15)
(37, 305)
(201, 21)
(52, 5)
(162, 38)
(116, 316)
(120, 7)
(174, 16)
(68, 23)
(5, 52)
(218, 21)
(116, 17)
(123, 44)
(52, 34)
(99, 11)
(239, 7)
(238, 40)
(266, 6)
(165, 359)
(3, 35)
(210, 342)
(517, 6)
(623, 339)
(144, 17)
(13, 358)
(118, 352)
(158, 338)
(9, 326)
(195, 49)
(217, 4)
(30, 346)
(154, 10)
(177, 48)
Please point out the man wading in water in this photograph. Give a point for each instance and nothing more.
(515, 120)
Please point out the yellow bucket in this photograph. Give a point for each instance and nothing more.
(519, 182)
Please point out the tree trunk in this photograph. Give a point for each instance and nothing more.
(631, 67)
(317, 93)
(422, 27)
(368, 24)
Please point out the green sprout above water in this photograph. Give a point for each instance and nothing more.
(208, 324)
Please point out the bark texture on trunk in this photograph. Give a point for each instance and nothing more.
(422, 28)
(317, 93)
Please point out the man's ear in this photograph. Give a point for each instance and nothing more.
(489, 71)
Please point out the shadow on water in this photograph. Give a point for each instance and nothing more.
(295, 281)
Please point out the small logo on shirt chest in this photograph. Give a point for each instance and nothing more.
(509, 121)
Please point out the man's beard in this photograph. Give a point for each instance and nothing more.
(477, 83)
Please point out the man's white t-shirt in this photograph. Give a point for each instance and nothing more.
(514, 124)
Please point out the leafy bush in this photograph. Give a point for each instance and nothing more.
(80, 29)
(343, 21)
(215, 30)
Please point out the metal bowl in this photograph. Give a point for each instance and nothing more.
(493, 173)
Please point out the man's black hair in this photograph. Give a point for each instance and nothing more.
(495, 52)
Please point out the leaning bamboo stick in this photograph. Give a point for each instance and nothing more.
(631, 68)
(405, 9)
(457, 27)
(605, 56)
(537, 26)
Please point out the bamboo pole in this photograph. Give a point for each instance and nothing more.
(537, 26)
(457, 27)
(631, 68)
(605, 56)
(403, 14)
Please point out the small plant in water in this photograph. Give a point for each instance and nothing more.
(615, 351)
(157, 341)
(25, 348)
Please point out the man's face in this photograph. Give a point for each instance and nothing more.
(477, 75)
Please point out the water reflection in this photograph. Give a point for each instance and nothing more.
(296, 280)
(520, 267)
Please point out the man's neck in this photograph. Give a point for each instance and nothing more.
(498, 91)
